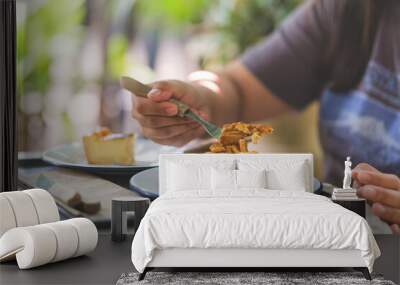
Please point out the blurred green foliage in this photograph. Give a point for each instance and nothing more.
(172, 14)
(234, 24)
(117, 47)
(248, 21)
(41, 23)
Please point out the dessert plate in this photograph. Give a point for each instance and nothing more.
(145, 183)
(72, 156)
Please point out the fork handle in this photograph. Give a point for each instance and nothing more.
(182, 107)
(141, 90)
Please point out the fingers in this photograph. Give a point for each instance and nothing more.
(158, 95)
(386, 213)
(395, 229)
(181, 139)
(384, 180)
(356, 184)
(156, 122)
(361, 167)
(147, 107)
(181, 91)
(169, 132)
(381, 195)
(157, 116)
(156, 103)
(174, 87)
(365, 166)
(380, 191)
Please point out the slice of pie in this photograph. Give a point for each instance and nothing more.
(104, 147)
(235, 137)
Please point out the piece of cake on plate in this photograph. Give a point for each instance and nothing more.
(104, 147)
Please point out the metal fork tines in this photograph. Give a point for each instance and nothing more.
(211, 129)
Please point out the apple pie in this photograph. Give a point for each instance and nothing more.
(235, 137)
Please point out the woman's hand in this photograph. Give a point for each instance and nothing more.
(158, 118)
(382, 192)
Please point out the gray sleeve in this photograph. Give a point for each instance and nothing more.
(291, 61)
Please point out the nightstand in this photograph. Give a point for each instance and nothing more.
(120, 208)
(355, 205)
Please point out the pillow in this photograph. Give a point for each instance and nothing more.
(292, 175)
(223, 179)
(187, 173)
(293, 180)
(251, 178)
(184, 177)
(236, 179)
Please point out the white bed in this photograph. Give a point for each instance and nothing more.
(195, 224)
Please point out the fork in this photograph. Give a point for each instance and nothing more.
(141, 90)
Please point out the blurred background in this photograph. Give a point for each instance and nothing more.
(71, 53)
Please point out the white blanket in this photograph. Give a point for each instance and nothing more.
(250, 219)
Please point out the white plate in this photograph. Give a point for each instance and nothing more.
(145, 183)
(72, 156)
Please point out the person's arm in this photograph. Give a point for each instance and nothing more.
(233, 94)
(382, 191)
(254, 100)
(284, 72)
(238, 95)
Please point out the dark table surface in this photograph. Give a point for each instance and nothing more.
(102, 266)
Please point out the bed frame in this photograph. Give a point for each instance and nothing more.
(242, 259)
